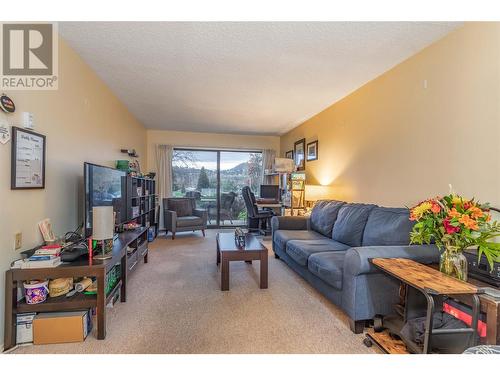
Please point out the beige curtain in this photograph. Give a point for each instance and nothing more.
(267, 163)
(164, 154)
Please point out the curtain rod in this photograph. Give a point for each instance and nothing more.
(201, 148)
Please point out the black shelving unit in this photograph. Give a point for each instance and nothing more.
(142, 202)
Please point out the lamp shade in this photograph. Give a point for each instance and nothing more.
(318, 192)
(283, 165)
(103, 227)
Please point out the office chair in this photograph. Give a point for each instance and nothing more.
(254, 213)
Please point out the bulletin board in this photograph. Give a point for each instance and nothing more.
(28, 159)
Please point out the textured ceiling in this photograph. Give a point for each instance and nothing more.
(232, 77)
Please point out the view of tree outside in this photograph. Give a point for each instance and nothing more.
(203, 182)
(195, 174)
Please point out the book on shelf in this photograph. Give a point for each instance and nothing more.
(49, 250)
(37, 262)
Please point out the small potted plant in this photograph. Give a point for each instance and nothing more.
(454, 224)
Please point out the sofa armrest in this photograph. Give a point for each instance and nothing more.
(170, 218)
(357, 259)
(289, 223)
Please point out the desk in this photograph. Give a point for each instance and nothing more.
(269, 205)
(277, 208)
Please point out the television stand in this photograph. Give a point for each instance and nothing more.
(136, 239)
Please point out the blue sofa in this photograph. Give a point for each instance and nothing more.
(331, 250)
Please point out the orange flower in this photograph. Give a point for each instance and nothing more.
(476, 212)
(468, 222)
(454, 213)
(436, 208)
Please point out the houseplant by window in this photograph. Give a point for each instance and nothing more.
(455, 224)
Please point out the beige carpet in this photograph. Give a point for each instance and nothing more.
(175, 306)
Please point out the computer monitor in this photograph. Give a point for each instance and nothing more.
(270, 192)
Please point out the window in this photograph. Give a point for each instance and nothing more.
(215, 179)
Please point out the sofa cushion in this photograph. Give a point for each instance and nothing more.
(189, 221)
(387, 227)
(300, 250)
(281, 237)
(323, 216)
(328, 266)
(350, 224)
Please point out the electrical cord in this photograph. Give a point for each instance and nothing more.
(74, 236)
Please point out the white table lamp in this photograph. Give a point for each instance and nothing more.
(103, 227)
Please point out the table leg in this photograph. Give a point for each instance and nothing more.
(492, 324)
(101, 305)
(428, 323)
(10, 323)
(218, 249)
(263, 270)
(224, 275)
(123, 269)
(475, 316)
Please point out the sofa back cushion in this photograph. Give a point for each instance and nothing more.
(350, 224)
(388, 227)
(323, 216)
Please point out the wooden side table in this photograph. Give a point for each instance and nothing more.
(228, 251)
(433, 285)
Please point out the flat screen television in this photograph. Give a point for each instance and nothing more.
(103, 186)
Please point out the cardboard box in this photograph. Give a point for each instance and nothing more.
(61, 327)
(24, 331)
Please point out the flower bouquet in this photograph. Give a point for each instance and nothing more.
(454, 224)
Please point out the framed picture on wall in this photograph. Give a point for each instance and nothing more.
(289, 154)
(27, 160)
(312, 151)
(299, 149)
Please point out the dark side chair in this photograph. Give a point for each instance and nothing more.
(263, 216)
(181, 215)
(226, 208)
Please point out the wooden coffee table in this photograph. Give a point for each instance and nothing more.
(228, 251)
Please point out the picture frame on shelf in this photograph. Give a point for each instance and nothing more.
(289, 154)
(312, 151)
(27, 159)
(299, 149)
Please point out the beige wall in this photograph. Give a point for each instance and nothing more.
(395, 142)
(83, 121)
(207, 140)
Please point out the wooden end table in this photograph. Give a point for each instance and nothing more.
(422, 280)
(228, 251)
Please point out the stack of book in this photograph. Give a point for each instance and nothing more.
(45, 257)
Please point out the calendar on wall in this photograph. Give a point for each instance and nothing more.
(28, 159)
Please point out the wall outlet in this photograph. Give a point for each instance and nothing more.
(18, 241)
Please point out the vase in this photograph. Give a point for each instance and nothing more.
(453, 263)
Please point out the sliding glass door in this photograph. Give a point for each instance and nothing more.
(194, 174)
(215, 179)
(237, 169)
